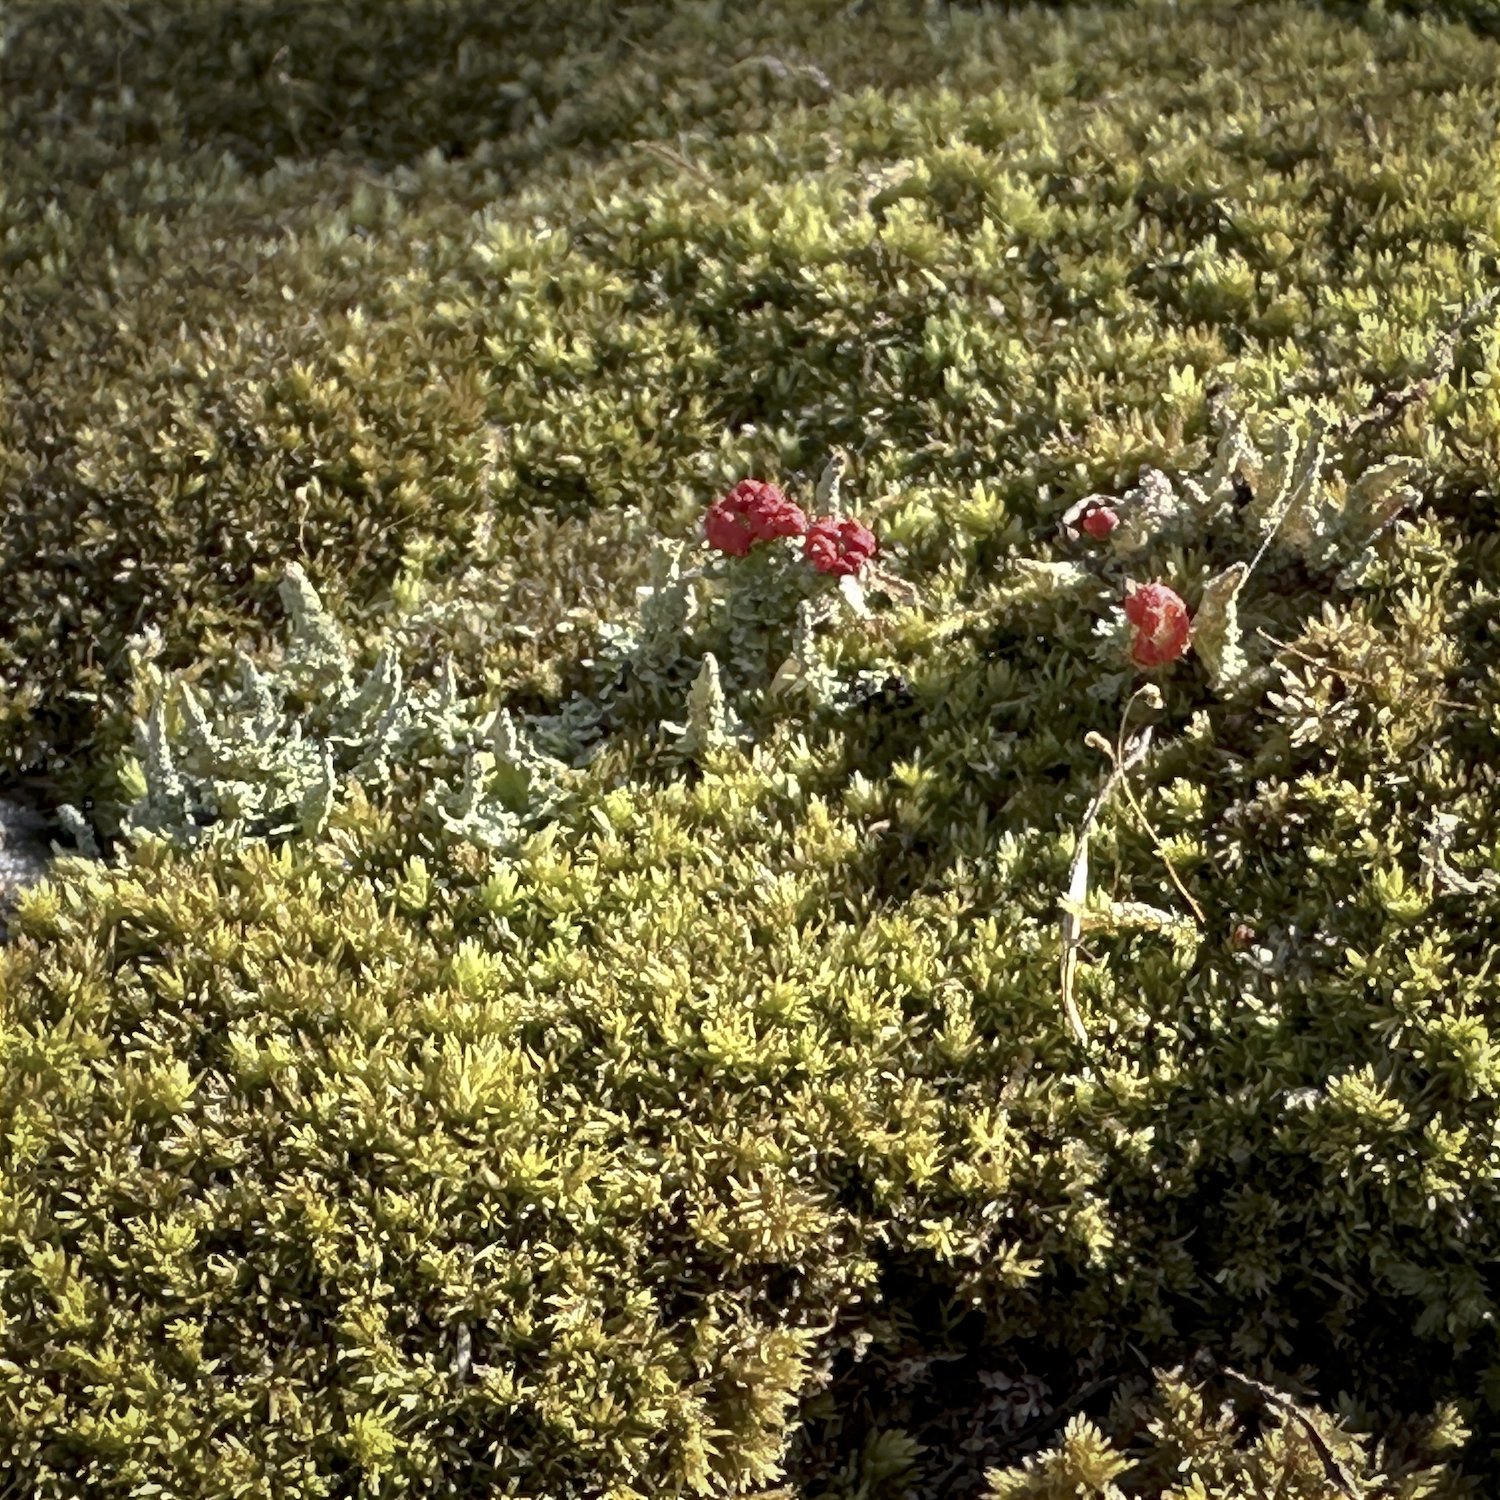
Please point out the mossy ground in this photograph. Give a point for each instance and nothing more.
(731, 1124)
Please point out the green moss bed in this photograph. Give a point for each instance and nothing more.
(528, 1005)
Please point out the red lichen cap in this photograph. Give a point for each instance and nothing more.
(1162, 626)
(1099, 521)
(839, 547)
(751, 512)
(1094, 516)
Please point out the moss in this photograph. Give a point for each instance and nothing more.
(1184, 1437)
(680, 1139)
(228, 354)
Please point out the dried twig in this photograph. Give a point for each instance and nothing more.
(1390, 405)
(1333, 1468)
(1348, 676)
(781, 70)
(1140, 812)
(1048, 1421)
(675, 158)
(1078, 875)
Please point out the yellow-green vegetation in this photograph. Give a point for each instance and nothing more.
(564, 1015)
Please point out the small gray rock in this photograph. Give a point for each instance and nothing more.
(25, 848)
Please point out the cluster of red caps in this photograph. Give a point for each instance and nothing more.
(755, 512)
(1157, 614)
